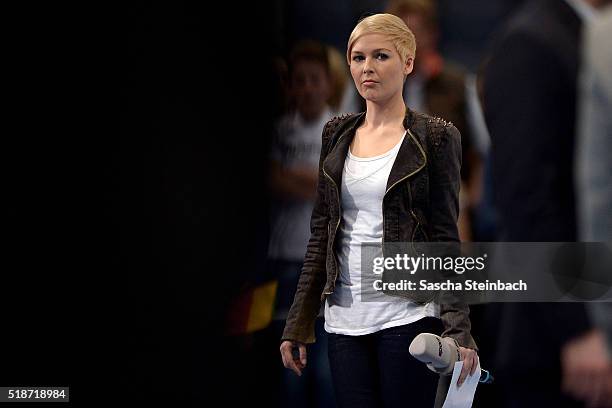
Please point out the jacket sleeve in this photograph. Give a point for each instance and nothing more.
(307, 301)
(445, 180)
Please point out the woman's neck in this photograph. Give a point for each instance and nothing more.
(381, 115)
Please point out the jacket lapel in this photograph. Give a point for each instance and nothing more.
(410, 158)
(334, 162)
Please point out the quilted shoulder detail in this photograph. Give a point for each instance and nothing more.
(438, 121)
(438, 128)
(332, 124)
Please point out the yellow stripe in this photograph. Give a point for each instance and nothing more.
(262, 306)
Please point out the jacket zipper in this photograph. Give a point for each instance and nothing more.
(399, 181)
(329, 292)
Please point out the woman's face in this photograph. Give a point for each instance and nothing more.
(377, 68)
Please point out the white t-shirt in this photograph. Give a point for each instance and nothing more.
(297, 143)
(364, 181)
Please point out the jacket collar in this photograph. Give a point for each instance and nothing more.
(410, 158)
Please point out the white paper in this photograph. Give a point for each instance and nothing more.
(462, 397)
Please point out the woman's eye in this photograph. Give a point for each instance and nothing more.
(358, 58)
(382, 56)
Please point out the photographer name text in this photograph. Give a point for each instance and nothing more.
(448, 285)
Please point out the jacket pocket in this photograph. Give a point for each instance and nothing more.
(418, 234)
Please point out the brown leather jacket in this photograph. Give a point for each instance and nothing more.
(420, 204)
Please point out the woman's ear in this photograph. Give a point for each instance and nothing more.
(409, 66)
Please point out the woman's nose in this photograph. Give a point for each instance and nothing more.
(367, 68)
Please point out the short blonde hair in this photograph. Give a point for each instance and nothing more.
(391, 26)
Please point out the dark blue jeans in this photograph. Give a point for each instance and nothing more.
(377, 370)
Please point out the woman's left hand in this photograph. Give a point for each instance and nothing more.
(470, 363)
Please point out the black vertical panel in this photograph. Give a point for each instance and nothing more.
(188, 196)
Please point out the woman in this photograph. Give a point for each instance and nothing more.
(386, 175)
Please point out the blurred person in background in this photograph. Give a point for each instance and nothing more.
(438, 88)
(530, 108)
(388, 161)
(293, 180)
(343, 98)
(587, 360)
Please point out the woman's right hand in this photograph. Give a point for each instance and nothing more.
(295, 364)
